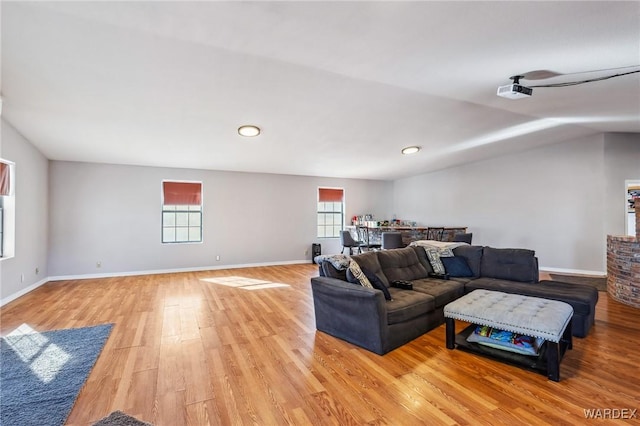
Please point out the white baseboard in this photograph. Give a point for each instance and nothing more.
(32, 287)
(175, 270)
(22, 292)
(573, 271)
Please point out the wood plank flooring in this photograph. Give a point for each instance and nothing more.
(185, 351)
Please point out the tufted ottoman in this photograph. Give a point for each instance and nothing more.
(532, 316)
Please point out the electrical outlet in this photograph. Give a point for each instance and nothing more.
(306, 252)
(99, 264)
(37, 270)
(21, 278)
(218, 257)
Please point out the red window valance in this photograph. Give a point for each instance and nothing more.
(329, 195)
(182, 193)
(5, 176)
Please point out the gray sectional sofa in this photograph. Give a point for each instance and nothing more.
(364, 317)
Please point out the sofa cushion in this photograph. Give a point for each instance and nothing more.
(582, 298)
(373, 279)
(407, 304)
(509, 264)
(401, 264)
(443, 291)
(369, 260)
(473, 256)
(456, 266)
(422, 257)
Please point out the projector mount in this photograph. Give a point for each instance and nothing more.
(517, 91)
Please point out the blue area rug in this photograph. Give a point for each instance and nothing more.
(41, 374)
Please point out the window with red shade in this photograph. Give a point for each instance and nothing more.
(181, 212)
(330, 212)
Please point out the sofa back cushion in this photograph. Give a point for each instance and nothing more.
(369, 261)
(509, 264)
(401, 264)
(423, 258)
(473, 256)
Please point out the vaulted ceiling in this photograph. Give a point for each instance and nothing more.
(338, 88)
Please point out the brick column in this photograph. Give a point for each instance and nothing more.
(623, 266)
(637, 209)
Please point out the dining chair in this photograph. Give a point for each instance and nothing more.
(347, 241)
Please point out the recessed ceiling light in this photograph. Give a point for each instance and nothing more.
(410, 150)
(248, 130)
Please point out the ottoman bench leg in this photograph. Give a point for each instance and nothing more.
(567, 335)
(553, 361)
(450, 330)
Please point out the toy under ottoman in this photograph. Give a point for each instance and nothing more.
(545, 319)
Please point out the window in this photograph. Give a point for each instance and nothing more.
(1, 229)
(181, 212)
(7, 209)
(330, 212)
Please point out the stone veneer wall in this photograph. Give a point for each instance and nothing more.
(623, 266)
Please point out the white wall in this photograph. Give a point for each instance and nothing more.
(549, 199)
(622, 162)
(31, 220)
(111, 214)
(559, 200)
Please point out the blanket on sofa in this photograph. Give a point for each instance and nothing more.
(339, 261)
(437, 244)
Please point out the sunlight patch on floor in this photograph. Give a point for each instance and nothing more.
(45, 359)
(244, 283)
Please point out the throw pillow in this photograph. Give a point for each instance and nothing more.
(373, 279)
(434, 256)
(354, 269)
(456, 266)
(377, 283)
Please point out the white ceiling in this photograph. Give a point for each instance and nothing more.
(338, 88)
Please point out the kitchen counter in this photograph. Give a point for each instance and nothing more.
(409, 233)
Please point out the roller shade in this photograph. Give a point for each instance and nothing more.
(5, 176)
(182, 193)
(328, 195)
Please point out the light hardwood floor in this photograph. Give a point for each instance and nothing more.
(185, 351)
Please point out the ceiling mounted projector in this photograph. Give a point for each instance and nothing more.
(518, 91)
(515, 90)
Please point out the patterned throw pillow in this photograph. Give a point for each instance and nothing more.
(434, 256)
(354, 268)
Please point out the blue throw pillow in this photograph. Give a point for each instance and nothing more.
(373, 279)
(456, 266)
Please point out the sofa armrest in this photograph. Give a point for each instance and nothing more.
(351, 312)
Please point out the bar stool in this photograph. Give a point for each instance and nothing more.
(363, 235)
(435, 233)
(391, 240)
(463, 238)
